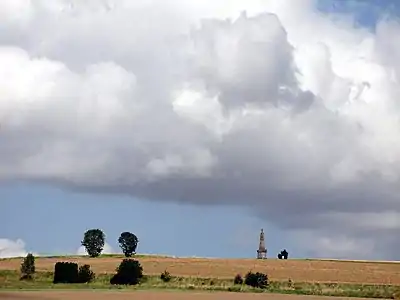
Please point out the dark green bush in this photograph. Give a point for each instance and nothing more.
(28, 267)
(238, 279)
(129, 272)
(65, 272)
(166, 276)
(257, 280)
(85, 274)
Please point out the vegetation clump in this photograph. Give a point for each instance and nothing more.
(129, 272)
(238, 279)
(283, 254)
(65, 272)
(85, 274)
(28, 267)
(256, 280)
(93, 241)
(128, 243)
(165, 276)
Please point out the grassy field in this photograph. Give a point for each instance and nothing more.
(307, 277)
(277, 270)
(9, 280)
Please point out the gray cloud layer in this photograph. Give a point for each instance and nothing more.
(281, 110)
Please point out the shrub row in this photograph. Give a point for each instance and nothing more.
(256, 280)
(129, 272)
(68, 272)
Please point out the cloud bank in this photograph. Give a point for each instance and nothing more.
(106, 250)
(280, 109)
(10, 248)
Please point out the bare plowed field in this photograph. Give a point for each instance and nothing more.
(51, 295)
(296, 270)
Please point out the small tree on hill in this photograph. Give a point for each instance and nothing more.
(128, 243)
(283, 255)
(28, 267)
(93, 241)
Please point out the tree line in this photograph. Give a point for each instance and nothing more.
(94, 240)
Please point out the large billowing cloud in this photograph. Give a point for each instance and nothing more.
(10, 248)
(280, 109)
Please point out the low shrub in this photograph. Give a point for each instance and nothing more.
(85, 274)
(65, 272)
(129, 272)
(28, 267)
(166, 276)
(256, 280)
(238, 279)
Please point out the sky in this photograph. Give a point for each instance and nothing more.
(194, 124)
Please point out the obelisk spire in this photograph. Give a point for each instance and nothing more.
(262, 250)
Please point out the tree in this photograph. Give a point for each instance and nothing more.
(128, 243)
(93, 241)
(28, 267)
(283, 255)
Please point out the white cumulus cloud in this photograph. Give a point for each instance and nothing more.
(106, 250)
(10, 248)
(266, 104)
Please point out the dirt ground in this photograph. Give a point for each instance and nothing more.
(141, 295)
(296, 270)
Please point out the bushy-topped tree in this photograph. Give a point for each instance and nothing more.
(93, 241)
(28, 267)
(128, 243)
(283, 254)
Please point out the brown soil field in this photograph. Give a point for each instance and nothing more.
(88, 295)
(279, 270)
